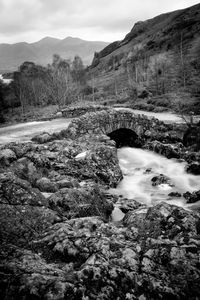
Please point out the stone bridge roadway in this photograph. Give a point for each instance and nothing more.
(121, 123)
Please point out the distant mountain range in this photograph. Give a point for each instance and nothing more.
(41, 52)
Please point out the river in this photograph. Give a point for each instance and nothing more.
(140, 166)
(23, 132)
(136, 183)
(5, 80)
(166, 117)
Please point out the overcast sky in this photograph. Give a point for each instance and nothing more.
(106, 20)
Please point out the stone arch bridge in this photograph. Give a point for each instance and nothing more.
(121, 125)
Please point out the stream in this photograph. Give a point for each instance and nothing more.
(139, 167)
(23, 132)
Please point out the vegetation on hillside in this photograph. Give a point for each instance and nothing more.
(158, 58)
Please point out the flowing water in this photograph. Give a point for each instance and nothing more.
(25, 131)
(5, 80)
(166, 117)
(140, 166)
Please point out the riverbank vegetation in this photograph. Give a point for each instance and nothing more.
(34, 87)
(157, 82)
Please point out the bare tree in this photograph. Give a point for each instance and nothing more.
(60, 82)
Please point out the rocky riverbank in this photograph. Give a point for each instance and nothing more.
(57, 238)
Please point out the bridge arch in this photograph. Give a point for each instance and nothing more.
(111, 122)
(125, 137)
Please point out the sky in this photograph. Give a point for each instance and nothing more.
(102, 20)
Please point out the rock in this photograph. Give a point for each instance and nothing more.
(7, 156)
(24, 212)
(16, 191)
(163, 223)
(39, 159)
(45, 185)
(161, 179)
(127, 205)
(147, 171)
(81, 155)
(174, 194)
(42, 138)
(64, 247)
(135, 217)
(193, 168)
(35, 276)
(59, 114)
(192, 197)
(20, 224)
(100, 165)
(167, 150)
(191, 156)
(156, 253)
(21, 149)
(26, 170)
(65, 183)
(81, 202)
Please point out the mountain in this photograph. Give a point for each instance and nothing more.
(41, 52)
(161, 33)
(161, 54)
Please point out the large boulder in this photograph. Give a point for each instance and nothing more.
(167, 150)
(7, 156)
(161, 179)
(45, 185)
(192, 197)
(100, 165)
(193, 168)
(24, 212)
(81, 202)
(16, 191)
(26, 170)
(20, 224)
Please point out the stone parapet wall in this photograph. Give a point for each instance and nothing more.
(107, 121)
(76, 111)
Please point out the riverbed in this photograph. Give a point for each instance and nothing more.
(140, 166)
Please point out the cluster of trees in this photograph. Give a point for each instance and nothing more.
(61, 82)
(6, 98)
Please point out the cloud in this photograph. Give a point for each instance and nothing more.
(90, 19)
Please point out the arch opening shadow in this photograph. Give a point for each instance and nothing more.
(125, 138)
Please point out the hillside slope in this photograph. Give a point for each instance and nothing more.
(12, 55)
(160, 54)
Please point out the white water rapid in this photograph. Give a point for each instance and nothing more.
(140, 166)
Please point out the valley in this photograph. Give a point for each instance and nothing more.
(100, 164)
